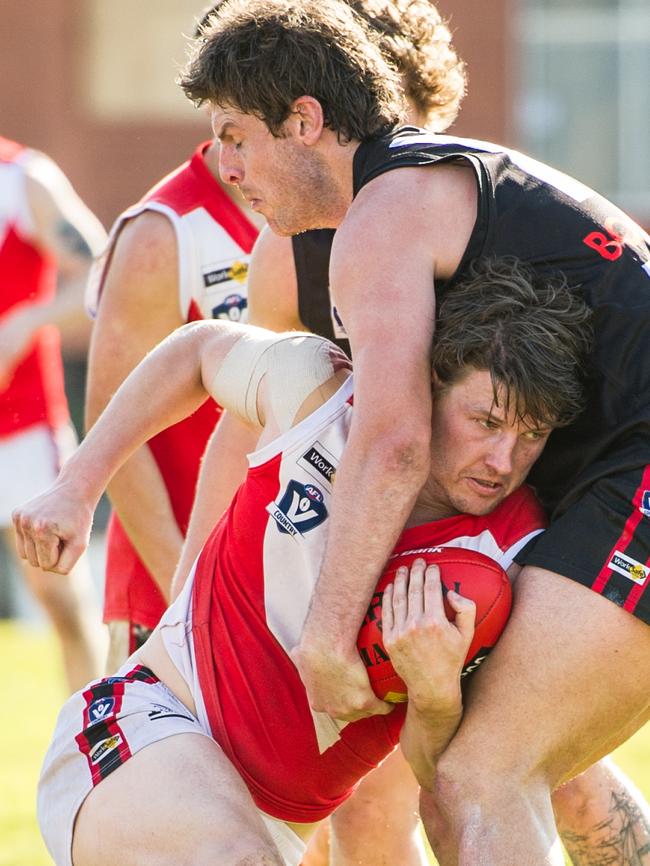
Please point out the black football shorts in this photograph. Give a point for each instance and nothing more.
(603, 541)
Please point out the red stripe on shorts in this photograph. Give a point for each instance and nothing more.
(621, 544)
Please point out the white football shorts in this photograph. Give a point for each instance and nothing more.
(101, 727)
(29, 463)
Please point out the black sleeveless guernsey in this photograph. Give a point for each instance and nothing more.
(553, 222)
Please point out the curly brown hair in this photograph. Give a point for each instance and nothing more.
(414, 37)
(528, 329)
(260, 55)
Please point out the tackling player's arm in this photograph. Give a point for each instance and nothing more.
(65, 229)
(138, 308)
(170, 383)
(383, 289)
(272, 304)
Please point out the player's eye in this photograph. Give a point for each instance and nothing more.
(536, 435)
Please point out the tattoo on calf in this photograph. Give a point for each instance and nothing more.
(623, 839)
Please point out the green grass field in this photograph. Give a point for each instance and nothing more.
(32, 693)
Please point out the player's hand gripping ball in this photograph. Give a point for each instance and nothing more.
(470, 574)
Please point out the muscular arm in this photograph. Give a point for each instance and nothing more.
(65, 229)
(273, 304)
(383, 288)
(139, 308)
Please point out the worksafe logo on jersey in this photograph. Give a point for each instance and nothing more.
(100, 709)
(238, 272)
(629, 567)
(644, 508)
(319, 463)
(300, 509)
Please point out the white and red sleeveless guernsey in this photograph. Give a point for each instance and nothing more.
(35, 394)
(214, 241)
(252, 586)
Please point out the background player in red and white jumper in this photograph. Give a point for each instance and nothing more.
(47, 239)
(449, 201)
(223, 648)
(178, 255)
(288, 288)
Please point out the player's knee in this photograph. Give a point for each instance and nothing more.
(361, 815)
(433, 820)
(464, 778)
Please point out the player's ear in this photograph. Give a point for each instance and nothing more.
(307, 119)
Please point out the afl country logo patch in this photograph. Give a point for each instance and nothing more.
(629, 567)
(300, 509)
(644, 508)
(100, 709)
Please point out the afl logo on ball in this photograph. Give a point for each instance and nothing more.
(300, 508)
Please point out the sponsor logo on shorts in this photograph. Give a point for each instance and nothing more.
(100, 709)
(644, 508)
(161, 712)
(238, 272)
(300, 509)
(104, 747)
(319, 463)
(629, 567)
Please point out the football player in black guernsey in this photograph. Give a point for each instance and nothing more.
(312, 137)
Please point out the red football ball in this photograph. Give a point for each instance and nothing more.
(470, 574)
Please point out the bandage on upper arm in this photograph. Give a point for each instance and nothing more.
(295, 365)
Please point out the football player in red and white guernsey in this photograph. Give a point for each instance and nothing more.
(179, 255)
(47, 240)
(237, 766)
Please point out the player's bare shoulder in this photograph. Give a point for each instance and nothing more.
(425, 209)
(273, 284)
(134, 290)
(147, 242)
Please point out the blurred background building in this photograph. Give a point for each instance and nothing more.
(92, 83)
